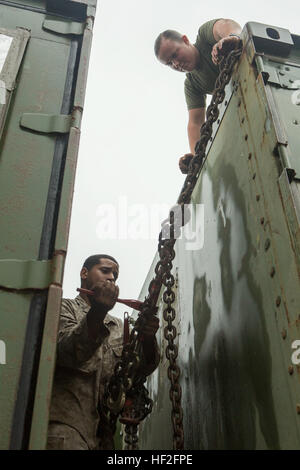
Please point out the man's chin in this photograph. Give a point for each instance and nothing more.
(188, 69)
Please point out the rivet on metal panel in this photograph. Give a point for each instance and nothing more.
(267, 244)
(291, 370)
(278, 301)
(295, 121)
(298, 408)
(272, 272)
(283, 333)
(281, 73)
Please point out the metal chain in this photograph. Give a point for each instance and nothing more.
(125, 373)
(131, 437)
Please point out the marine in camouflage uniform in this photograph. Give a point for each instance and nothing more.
(87, 351)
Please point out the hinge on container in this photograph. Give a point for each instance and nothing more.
(28, 274)
(63, 26)
(18, 274)
(52, 123)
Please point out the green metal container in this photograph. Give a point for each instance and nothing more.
(238, 295)
(45, 47)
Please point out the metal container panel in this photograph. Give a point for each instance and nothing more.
(238, 297)
(38, 155)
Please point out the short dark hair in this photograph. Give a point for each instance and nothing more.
(168, 34)
(94, 259)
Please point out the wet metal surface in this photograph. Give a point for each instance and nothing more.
(239, 293)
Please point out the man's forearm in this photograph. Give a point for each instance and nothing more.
(95, 317)
(193, 135)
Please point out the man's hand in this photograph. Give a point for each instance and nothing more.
(106, 294)
(104, 299)
(184, 162)
(149, 329)
(224, 46)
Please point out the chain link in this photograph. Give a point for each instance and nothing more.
(126, 379)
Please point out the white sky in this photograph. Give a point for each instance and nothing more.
(134, 125)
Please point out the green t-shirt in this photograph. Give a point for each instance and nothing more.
(202, 80)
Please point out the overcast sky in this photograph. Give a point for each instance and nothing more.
(134, 129)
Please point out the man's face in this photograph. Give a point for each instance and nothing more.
(181, 56)
(105, 270)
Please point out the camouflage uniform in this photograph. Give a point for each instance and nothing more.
(83, 367)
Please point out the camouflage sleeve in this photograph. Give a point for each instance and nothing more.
(74, 345)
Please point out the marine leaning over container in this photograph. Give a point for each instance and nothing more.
(199, 62)
(90, 343)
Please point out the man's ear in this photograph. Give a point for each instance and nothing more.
(84, 273)
(185, 39)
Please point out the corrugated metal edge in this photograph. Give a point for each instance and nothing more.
(40, 417)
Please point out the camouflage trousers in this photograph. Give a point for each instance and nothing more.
(64, 437)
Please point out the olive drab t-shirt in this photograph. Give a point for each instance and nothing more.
(202, 80)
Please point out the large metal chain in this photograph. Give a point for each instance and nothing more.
(126, 373)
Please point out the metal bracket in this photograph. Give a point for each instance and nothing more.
(63, 26)
(292, 208)
(277, 73)
(47, 123)
(270, 39)
(25, 274)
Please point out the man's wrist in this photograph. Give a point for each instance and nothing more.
(97, 312)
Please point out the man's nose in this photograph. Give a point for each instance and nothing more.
(110, 277)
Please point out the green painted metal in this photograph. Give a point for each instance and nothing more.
(64, 27)
(37, 171)
(16, 42)
(46, 123)
(238, 297)
(20, 274)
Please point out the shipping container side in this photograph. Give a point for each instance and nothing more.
(45, 48)
(238, 293)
